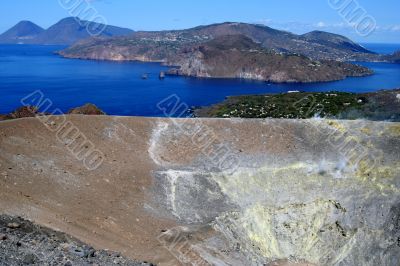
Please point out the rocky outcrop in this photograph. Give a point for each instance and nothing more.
(32, 111)
(236, 56)
(87, 109)
(21, 112)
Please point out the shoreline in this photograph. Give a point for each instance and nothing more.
(390, 100)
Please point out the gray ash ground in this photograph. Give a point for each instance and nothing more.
(24, 243)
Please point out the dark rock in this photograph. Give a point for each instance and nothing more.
(91, 253)
(115, 254)
(30, 259)
(21, 112)
(25, 111)
(3, 237)
(27, 241)
(78, 252)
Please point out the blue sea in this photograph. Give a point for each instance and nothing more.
(382, 48)
(118, 88)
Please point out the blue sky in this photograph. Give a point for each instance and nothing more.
(298, 16)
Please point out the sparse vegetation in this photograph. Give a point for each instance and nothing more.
(382, 105)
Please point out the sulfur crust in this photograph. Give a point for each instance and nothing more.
(260, 222)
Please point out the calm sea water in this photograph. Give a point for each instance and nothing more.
(118, 88)
(382, 48)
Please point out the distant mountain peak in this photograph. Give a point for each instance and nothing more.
(69, 20)
(26, 22)
(23, 31)
(65, 32)
(321, 34)
(332, 39)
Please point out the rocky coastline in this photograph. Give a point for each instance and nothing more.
(230, 56)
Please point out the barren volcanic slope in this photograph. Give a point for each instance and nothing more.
(312, 191)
